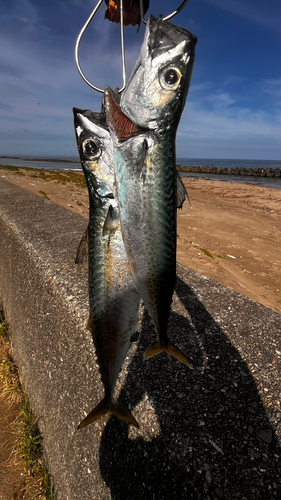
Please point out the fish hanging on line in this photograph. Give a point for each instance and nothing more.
(131, 178)
(143, 128)
(114, 300)
(131, 11)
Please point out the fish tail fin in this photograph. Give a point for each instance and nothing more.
(170, 348)
(100, 410)
(116, 409)
(113, 407)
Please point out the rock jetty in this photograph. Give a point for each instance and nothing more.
(256, 172)
(53, 160)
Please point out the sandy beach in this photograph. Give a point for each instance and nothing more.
(232, 234)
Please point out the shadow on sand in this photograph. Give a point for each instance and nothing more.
(215, 439)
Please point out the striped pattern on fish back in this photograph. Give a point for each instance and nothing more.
(160, 281)
(148, 220)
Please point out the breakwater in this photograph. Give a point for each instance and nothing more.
(255, 172)
(55, 160)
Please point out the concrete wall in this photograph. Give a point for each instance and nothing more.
(45, 301)
(181, 413)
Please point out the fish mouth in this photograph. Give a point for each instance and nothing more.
(163, 36)
(96, 118)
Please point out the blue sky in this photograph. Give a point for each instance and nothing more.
(234, 103)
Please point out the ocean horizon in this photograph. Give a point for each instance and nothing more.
(73, 163)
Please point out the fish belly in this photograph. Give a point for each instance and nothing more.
(114, 301)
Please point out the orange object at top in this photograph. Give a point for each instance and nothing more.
(131, 11)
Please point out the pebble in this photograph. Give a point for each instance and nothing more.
(208, 477)
(266, 435)
(219, 493)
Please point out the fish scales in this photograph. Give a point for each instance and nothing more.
(157, 279)
(146, 178)
(148, 221)
(114, 301)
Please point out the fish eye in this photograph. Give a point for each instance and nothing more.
(91, 149)
(170, 78)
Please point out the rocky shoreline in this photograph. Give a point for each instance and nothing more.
(256, 172)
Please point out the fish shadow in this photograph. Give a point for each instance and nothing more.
(214, 439)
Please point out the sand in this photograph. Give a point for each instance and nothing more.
(232, 234)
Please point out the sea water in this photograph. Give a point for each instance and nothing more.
(249, 179)
(74, 164)
(46, 163)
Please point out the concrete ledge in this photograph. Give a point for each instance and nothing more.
(204, 433)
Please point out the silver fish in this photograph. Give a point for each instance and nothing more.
(156, 92)
(143, 128)
(114, 301)
(82, 254)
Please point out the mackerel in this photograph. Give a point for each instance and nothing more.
(143, 129)
(114, 300)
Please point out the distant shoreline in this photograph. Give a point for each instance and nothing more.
(56, 160)
(256, 172)
(237, 169)
(245, 171)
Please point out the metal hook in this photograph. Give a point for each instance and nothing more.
(170, 16)
(167, 18)
(122, 47)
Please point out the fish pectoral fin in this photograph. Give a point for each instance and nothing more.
(110, 225)
(181, 191)
(113, 407)
(170, 348)
(83, 249)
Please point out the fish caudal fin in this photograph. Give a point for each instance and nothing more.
(94, 415)
(121, 412)
(114, 407)
(156, 347)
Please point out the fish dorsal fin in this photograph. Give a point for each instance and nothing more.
(123, 127)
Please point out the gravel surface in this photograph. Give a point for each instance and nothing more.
(210, 433)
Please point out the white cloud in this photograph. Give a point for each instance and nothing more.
(38, 89)
(22, 14)
(228, 133)
(266, 14)
(34, 72)
(233, 80)
(220, 99)
(273, 88)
